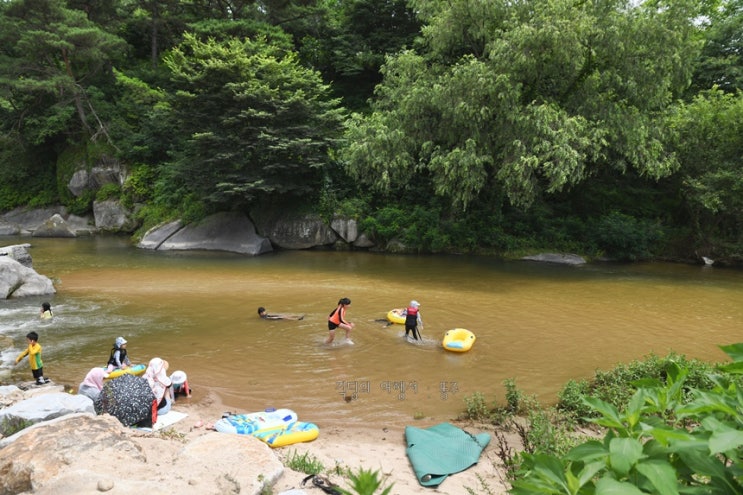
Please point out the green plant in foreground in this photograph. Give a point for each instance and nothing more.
(514, 397)
(366, 482)
(476, 408)
(304, 463)
(669, 439)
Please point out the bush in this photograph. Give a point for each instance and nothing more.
(305, 463)
(618, 385)
(669, 438)
(107, 192)
(476, 408)
(625, 238)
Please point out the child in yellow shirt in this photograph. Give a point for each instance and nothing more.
(34, 358)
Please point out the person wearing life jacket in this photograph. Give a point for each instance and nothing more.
(413, 320)
(118, 358)
(337, 319)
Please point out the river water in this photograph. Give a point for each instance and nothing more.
(539, 324)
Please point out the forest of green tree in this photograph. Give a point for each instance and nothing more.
(610, 128)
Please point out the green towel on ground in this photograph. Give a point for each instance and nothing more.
(441, 450)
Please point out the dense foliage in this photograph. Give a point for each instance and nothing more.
(608, 128)
(670, 437)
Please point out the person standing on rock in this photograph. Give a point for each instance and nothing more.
(34, 358)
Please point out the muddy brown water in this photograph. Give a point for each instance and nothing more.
(538, 324)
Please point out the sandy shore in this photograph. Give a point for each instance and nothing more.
(339, 448)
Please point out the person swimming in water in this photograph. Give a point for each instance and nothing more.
(281, 316)
(46, 311)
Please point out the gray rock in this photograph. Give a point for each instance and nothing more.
(154, 237)
(17, 280)
(9, 394)
(303, 232)
(564, 259)
(224, 231)
(112, 216)
(346, 228)
(56, 226)
(44, 408)
(82, 225)
(18, 252)
(9, 228)
(109, 172)
(396, 246)
(81, 453)
(78, 183)
(363, 241)
(27, 220)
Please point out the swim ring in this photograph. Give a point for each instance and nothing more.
(458, 340)
(136, 370)
(397, 315)
(279, 436)
(248, 424)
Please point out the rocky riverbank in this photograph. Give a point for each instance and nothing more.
(81, 453)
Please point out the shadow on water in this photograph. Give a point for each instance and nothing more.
(539, 324)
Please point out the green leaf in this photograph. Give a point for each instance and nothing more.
(724, 438)
(609, 486)
(589, 471)
(610, 415)
(661, 475)
(550, 468)
(588, 451)
(624, 453)
(735, 351)
(734, 368)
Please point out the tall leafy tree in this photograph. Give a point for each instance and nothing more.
(254, 123)
(527, 97)
(708, 140)
(54, 62)
(358, 37)
(49, 56)
(721, 60)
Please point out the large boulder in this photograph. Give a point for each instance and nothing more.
(300, 231)
(18, 252)
(17, 280)
(9, 228)
(154, 237)
(56, 226)
(226, 231)
(83, 454)
(45, 222)
(44, 407)
(560, 258)
(346, 228)
(363, 241)
(112, 216)
(108, 172)
(24, 221)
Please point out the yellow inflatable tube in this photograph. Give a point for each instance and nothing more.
(137, 370)
(397, 315)
(280, 436)
(458, 340)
